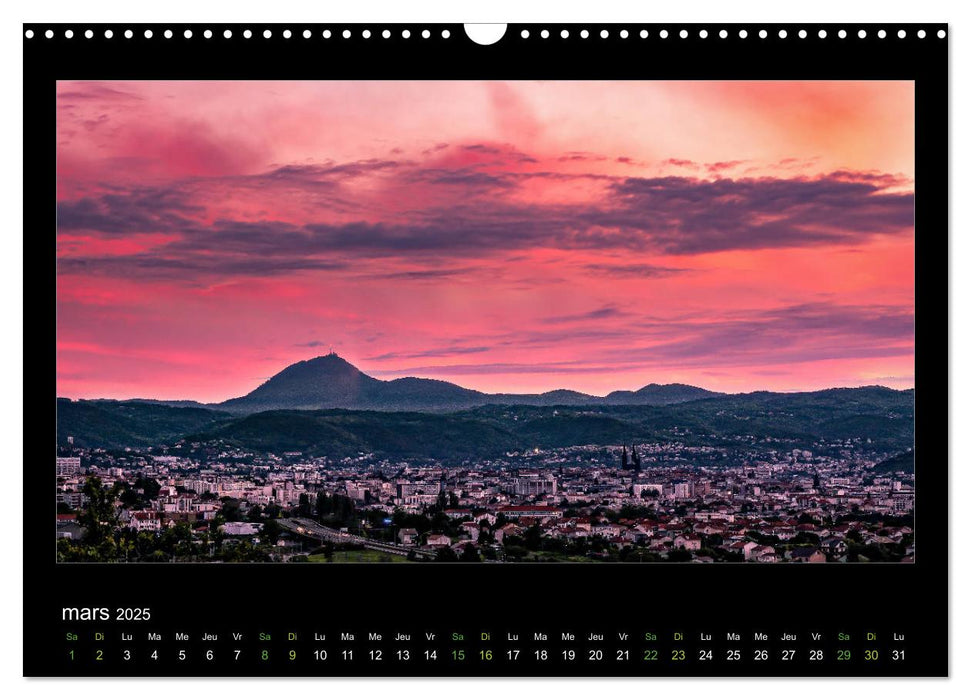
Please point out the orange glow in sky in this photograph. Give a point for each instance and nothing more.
(513, 237)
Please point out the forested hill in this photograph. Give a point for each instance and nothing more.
(883, 417)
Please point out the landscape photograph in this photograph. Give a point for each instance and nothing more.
(525, 322)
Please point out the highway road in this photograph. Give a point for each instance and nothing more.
(309, 528)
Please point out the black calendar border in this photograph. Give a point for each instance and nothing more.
(880, 595)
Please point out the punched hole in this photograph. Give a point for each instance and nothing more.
(485, 34)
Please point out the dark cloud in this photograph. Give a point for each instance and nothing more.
(430, 274)
(145, 265)
(140, 210)
(670, 215)
(482, 148)
(581, 156)
(633, 270)
(688, 216)
(330, 171)
(593, 315)
(879, 180)
(463, 177)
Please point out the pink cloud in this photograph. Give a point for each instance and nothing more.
(509, 237)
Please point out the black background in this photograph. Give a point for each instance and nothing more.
(521, 598)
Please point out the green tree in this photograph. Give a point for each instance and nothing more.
(246, 551)
(679, 554)
(128, 496)
(150, 487)
(514, 552)
(533, 537)
(100, 517)
(469, 553)
(271, 532)
(805, 538)
(446, 554)
(231, 512)
(303, 509)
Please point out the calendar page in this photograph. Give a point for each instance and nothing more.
(526, 350)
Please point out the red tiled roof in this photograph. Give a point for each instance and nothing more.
(522, 509)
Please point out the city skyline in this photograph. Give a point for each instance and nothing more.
(507, 237)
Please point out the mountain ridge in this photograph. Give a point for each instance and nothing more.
(294, 411)
(331, 382)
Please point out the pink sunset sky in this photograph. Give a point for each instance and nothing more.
(514, 237)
